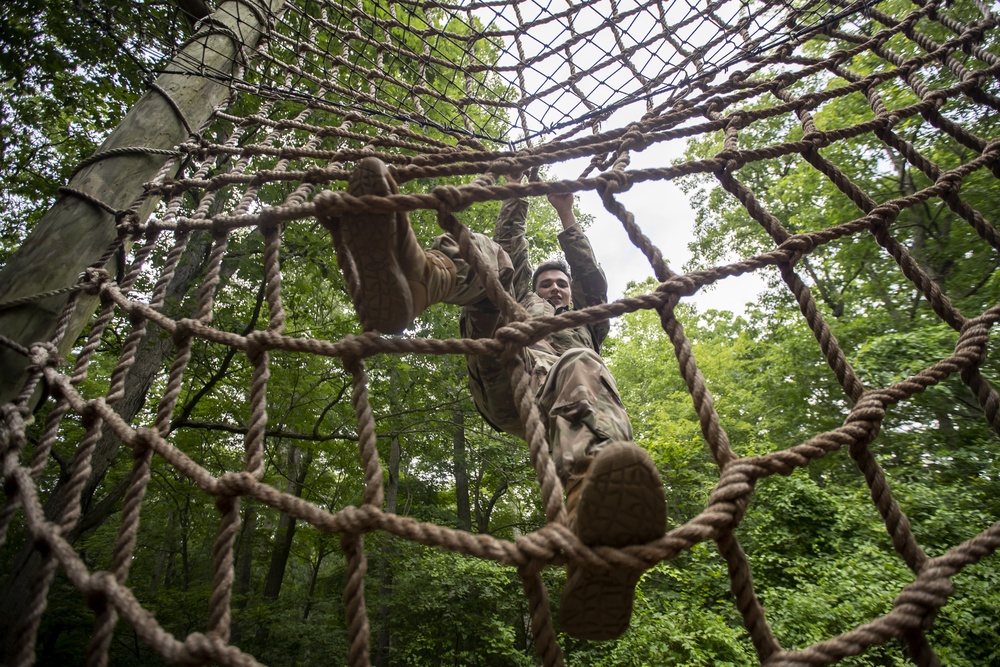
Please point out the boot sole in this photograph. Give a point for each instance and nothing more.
(622, 505)
(597, 606)
(384, 301)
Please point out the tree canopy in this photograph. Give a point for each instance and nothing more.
(823, 562)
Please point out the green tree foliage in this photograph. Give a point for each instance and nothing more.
(289, 581)
(68, 74)
(822, 561)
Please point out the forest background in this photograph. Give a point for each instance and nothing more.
(821, 559)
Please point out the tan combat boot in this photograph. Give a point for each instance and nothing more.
(390, 277)
(617, 502)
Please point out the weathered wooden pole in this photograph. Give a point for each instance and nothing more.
(75, 233)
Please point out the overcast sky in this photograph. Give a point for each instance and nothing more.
(666, 217)
(660, 208)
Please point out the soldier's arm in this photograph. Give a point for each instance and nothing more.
(589, 284)
(509, 232)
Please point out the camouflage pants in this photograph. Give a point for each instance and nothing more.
(574, 391)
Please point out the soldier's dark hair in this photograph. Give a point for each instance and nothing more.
(554, 264)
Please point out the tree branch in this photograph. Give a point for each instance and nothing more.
(271, 433)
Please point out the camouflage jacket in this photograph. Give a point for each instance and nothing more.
(589, 285)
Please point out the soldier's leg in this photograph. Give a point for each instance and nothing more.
(509, 233)
(585, 413)
(390, 277)
(614, 495)
(489, 379)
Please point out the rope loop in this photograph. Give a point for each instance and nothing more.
(451, 198)
(43, 355)
(93, 279)
(612, 182)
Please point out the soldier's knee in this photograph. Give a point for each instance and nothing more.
(580, 356)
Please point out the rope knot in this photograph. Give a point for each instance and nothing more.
(92, 279)
(870, 408)
(728, 160)
(840, 56)
(262, 341)
(515, 335)
(925, 596)
(143, 440)
(974, 338)
(794, 248)
(938, 97)
(127, 222)
(783, 80)
(670, 300)
(232, 484)
(815, 138)
(738, 119)
(198, 649)
(98, 585)
(42, 355)
(950, 181)
(992, 149)
(714, 105)
(450, 197)
(183, 329)
(881, 216)
(633, 138)
(613, 181)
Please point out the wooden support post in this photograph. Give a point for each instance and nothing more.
(74, 233)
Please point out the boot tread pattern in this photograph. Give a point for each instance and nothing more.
(621, 504)
(383, 301)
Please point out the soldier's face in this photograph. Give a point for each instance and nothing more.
(553, 286)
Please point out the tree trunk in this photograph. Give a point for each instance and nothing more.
(74, 233)
(244, 557)
(485, 512)
(383, 645)
(298, 468)
(150, 356)
(313, 578)
(461, 471)
(163, 558)
(244, 566)
(185, 531)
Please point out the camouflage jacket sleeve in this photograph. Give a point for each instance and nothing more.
(509, 234)
(590, 287)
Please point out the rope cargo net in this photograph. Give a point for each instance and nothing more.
(465, 93)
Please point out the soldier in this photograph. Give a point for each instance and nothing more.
(614, 496)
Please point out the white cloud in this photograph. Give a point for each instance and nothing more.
(664, 214)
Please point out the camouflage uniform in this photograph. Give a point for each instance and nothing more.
(575, 392)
